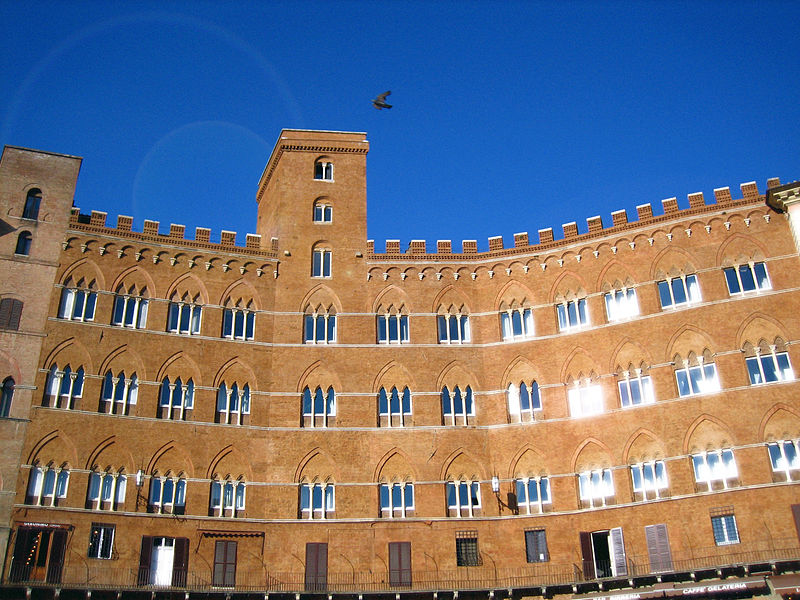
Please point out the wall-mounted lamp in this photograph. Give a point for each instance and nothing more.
(495, 484)
(139, 478)
(287, 253)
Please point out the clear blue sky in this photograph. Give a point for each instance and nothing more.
(508, 116)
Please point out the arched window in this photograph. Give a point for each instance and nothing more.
(233, 404)
(595, 488)
(167, 494)
(317, 500)
(321, 262)
(517, 323)
(679, 291)
(6, 397)
(397, 499)
(238, 323)
(572, 314)
(319, 407)
(715, 470)
(319, 326)
(394, 407)
(184, 315)
(585, 397)
(23, 244)
(523, 401)
(463, 498)
(78, 301)
(106, 490)
(635, 388)
(227, 497)
(32, 202)
(119, 393)
(323, 169)
(696, 375)
(130, 307)
(453, 327)
(533, 494)
(47, 485)
(457, 406)
(64, 388)
(176, 399)
(10, 313)
(323, 211)
(392, 327)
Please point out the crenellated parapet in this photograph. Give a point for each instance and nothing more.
(95, 223)
(594, 228)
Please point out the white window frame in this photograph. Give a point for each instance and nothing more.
(463, 498)
(595, 487)
(779, 361)
(784, 456)
(64, 387)
(450, 413)
(238, 323)
(47, 484)
(756, 271)
(689, 287)
(122, 395)
(396, 499)
(728, 530)
(516, 401)
(227, 497)
(107, 490)
(656, 472)
(323, 170)
(104, 531)
(77, 304)
(175, 317)
(325, 492)
(621, 304)
(524, 486)
(453, 328)
(394, 407)
(130, 311)
(323, 212)
(311, 411)
(319, 328)
(392, 328)
(639, 384)
(517, 324)
(572, 315)
(176, 398)
(585, 399)
(321, 263)
(715, 467)
(233, 403)
(701, 378)
(162, 503)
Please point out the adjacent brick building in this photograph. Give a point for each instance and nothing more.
(612, 412)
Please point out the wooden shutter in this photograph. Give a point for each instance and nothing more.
(400, 564)
(796, 513)
(619, 560)
(588, 555)
(536, 546)
(225, 563)
(58, 544)
(180, 564)
(16, 313)
(144, 560)
(658, 548)
(5, 312)
(316, 566)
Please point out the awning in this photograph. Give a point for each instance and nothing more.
(786, 584)
(678, 590)
(38, 525)
(225, 533)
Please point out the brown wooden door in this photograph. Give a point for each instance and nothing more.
(587, 553)
(225, 563)
(316, 567)
(400, 564)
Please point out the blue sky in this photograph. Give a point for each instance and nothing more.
(508, 116)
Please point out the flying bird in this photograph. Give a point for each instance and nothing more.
(380, 101)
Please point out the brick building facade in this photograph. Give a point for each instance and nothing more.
(613, 412)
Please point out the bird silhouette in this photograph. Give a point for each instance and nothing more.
(380, 101)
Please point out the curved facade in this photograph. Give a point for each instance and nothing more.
(612, 410)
